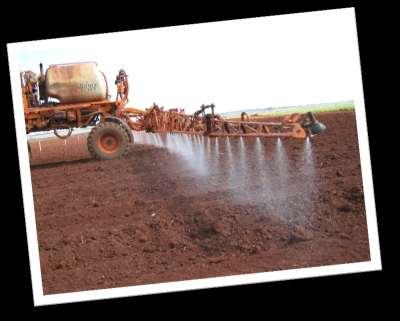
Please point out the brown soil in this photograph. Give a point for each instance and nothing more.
(158, 216)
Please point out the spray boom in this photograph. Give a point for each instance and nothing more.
(156, 119)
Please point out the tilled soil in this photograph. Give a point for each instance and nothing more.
(198, 208)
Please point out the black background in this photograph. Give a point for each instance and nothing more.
(322, 296)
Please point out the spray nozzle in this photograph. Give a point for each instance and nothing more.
(314, 126)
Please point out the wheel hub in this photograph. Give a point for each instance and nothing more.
(109, 143)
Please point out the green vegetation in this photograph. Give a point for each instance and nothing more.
(279, 111)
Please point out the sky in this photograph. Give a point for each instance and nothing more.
(275, 61)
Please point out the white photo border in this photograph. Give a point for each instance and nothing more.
(33, 249)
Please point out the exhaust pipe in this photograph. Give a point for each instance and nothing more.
(313, 125)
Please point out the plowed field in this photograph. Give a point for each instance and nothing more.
(180, 207)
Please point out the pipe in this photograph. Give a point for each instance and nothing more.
(311, 116)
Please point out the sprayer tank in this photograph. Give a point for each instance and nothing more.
(76, 83)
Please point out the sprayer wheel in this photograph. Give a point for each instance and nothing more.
(108, 140)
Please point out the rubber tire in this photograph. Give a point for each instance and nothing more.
(128, 132)
(107, 127)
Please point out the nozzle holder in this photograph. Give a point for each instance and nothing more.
(314, 126)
